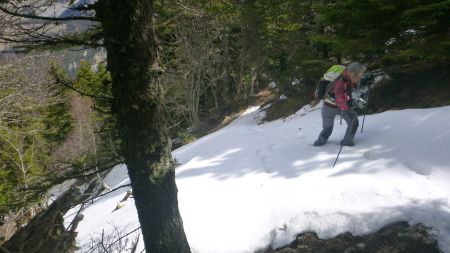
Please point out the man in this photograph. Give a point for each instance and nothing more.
(337, 100)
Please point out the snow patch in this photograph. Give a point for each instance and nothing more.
(251, 185)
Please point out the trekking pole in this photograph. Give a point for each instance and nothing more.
(337, 157)
(345, 137)
(365, 110)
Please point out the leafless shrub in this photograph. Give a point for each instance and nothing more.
(117, 241)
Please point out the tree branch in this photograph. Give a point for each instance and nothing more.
(73, 18)
(26, 45)
(67, 83)
(120, 238)
(86, 7)
(104, 194)
(4, 250)
(84, 93)
(80, 174)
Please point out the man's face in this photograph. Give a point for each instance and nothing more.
(355, 77)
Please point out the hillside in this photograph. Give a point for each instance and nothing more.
(251, 185)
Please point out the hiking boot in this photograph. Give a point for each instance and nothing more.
(320, 142)
(348, 141)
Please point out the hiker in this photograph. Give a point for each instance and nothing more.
(337, 100)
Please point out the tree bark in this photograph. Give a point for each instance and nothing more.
(138, 97)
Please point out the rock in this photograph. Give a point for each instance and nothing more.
(397, 238)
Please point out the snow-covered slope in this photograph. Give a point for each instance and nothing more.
(251, 185)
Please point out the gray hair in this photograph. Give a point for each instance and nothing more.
(356, 68)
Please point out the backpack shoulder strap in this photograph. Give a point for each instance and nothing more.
(331, 85)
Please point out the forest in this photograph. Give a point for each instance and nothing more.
(86, 85)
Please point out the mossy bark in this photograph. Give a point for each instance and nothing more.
(138, 105)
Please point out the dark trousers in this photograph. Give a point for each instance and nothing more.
(328, 115)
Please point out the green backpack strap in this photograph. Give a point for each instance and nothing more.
(331, 85)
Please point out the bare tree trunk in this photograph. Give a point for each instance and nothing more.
(226, 82)
(138, 98)
(46, 231)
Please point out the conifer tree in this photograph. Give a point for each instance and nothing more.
(126, 30)
(387, 31)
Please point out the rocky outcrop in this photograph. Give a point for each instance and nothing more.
(397, 238)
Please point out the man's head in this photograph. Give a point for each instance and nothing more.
(355, 71)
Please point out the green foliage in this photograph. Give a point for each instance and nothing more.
(30, 131)
(55, 116)
(99, 121)
(97, 85)
(90, 82)
(298, 40)
(412, 86)
(214, 48)
(386, 31)
(38, 127)
(283, 32)
(185, 138)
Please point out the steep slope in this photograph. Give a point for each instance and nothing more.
(250, 185)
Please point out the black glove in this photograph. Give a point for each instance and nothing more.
(366, 80)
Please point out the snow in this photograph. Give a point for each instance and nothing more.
(251, 185)
(64, 9)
